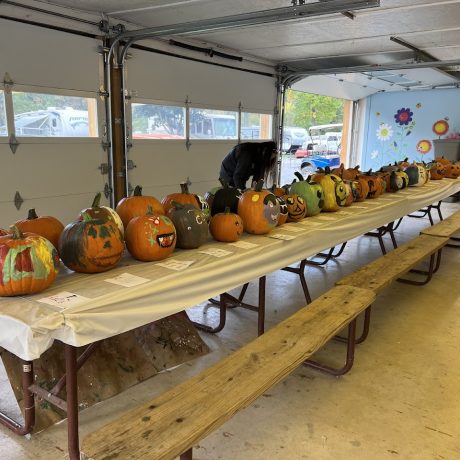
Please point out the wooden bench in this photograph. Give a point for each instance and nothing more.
(172, 423)
(446, 229)
(381, 272)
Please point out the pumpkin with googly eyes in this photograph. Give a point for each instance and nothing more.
(190, 223)
(296, 206)
(259, 210)
(150, 237)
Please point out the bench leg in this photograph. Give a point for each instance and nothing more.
(28, 403)
(435, 262)
(349, 359)
(187, 455)
(450, 245)
(365, 332)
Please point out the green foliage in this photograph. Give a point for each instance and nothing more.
(29, 102)
(305, 109)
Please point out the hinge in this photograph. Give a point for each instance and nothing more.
(104, 168)
(107, 190)
(13, 143)
(105, 145)
(130, 164)
(102, 92)
(8, 82)
(18, 200)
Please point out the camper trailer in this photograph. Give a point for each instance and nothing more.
(149, 354)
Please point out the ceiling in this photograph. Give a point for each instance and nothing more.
(396, 34)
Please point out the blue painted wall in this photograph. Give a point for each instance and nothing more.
(401, 124)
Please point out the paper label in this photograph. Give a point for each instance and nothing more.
(127, 280)
(244, 244)
(64, 300)
(177, 265)
(216, 252)
(280, 236)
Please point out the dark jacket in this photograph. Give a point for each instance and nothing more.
(246, 160)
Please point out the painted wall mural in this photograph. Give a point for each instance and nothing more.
(404, 124)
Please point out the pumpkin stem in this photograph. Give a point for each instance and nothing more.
(227, 210)
(184, 188)
(298, 175)
(32, 214)
(16, 233)
(259, 185)
(327, 170)
(137, 190)
(97, 200)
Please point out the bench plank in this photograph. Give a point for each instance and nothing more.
(173, 422)
(378, 274)
(447, 228)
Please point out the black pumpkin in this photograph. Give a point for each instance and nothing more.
(225, 197)
(191, 225)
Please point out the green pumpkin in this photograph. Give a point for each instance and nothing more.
(311, 192)
(191, 225)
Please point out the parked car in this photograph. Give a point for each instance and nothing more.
(293, 138)
(305, 150)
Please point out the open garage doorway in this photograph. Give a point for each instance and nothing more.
(315, 133)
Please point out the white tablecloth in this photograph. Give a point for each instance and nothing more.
(29, 327)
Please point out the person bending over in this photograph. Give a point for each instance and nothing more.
(256, 159)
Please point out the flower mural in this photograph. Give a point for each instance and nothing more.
(440, 127)
(384, 132)
(424, 146)
(374, 154)
(403, 116)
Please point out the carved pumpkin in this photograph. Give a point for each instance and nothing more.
(311, 192)
(335, 192)
(259, 210)
(452, 170)
(29, 263)
(296, 207)
(96, 211)
(437, 171)
(137, 205)
(226, 226)
(224, 197)
(47, 226)
(91, 245)
(150, 237)
(191, 225)
(184, 197)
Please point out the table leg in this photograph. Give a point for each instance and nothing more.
(70, 353)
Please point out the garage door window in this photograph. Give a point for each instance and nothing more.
(152, 121)
(256, 126)
(50, 115)
(213, 124)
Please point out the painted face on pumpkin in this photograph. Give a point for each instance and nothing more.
(271, 209)
(340, 191)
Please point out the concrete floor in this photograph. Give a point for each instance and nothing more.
(400, 400)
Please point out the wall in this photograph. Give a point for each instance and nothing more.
(392, 135)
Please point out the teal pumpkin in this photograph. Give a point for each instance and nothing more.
(311, 192)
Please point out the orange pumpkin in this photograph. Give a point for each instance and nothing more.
(442, 160)
(137, 205)
(91, 245)
(96, 211)
(226, 226)
(29, 263)
(278, 191)
(3, 232)
(284, 213)
(47, 226)
(296, 207)
(452, 170)
(150, 237)
(374, 183)
(184, 197)
(437, 171)
(259, 210)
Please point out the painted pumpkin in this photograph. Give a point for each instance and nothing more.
(278, 191)
(335, 192)
(424, 172)
(204, 206)
(96, 211)
(311, 192)
(191, 225)
(374, 183)
(442, 160)
(394, 182)
(437, 171)
(47, 226)
(150, 237)
(404, 178)
(296, 207)
(259, 210)
(346, 174)
(390, 167)
(283, 211)
(29, 263)
(91, 245)
(137, 205)
(225, 197)
(4, 232)
(350, 194)
(360, 188)
(415, 174)
(452, 170)
(182, 197)
(226, 226)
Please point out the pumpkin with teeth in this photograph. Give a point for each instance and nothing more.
(259, 210)
(296, 206)
(150, 237)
